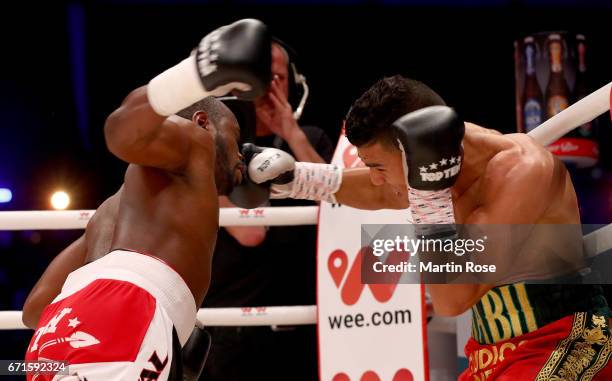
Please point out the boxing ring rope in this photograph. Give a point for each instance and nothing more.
(217, 317)
(579, 113)
(77, 219)
(595, 242)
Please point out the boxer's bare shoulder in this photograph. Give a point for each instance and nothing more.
(545, 183)
(511, 179)
(505, 179)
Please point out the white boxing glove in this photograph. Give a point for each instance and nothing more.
(291, 179)
(268, 164)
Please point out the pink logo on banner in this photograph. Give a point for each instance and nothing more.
(401, 375)
(249, 310)
(341, 377)
(337, 264)
(382, 286)
(251, 212)
(84, 215)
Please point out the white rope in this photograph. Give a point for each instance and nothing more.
(598, 241)
(581, 112)
(11, 320)
(217, 317)
(45, 220)
(77, 219)
(249, 316)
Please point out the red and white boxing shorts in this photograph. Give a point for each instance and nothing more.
(114, 320)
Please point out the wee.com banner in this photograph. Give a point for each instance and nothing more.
(367, 332)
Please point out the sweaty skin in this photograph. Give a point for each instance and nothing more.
(169, 206)
(505, 179)
(93, 244)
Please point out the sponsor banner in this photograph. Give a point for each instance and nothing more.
(584, 152)
(552, 72)
(366, 331)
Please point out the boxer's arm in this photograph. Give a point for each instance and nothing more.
(357, 191)
(314, 181)
(514, 187)
(136, 134)
(50, 283)
(138, 131)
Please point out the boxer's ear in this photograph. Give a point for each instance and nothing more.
(201, 119)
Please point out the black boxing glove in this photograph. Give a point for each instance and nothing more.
(249, 194)
(194, 353)
(235, 57)
(431, 139)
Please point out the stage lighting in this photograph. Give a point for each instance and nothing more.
(5, 195)
(60, 200)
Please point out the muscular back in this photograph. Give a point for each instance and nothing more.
(505, 179)
(512, 179)
(100, 229)
(169, 206)
(174, 216)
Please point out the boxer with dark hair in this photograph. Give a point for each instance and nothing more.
(385, 102)
(127, 314)
(418, 153)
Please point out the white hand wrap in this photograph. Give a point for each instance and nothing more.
(431, 207)
(311, 181)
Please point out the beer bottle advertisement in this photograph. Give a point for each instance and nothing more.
(581, 88)
(557, 93)
(551, 73)
(532, 95)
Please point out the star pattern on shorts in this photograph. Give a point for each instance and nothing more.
(433, 166)
(443, 161)
(73, 322)
(453, 160)
(423, 169)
